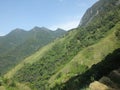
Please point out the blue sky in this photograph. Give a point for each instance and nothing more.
(52, 14)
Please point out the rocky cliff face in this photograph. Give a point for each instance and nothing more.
(102, 6)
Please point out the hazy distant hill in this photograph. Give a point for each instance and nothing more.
(20, 43)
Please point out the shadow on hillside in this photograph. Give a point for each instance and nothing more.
(111, 62)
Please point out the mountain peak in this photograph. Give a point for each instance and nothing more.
(101, 6)
(16, 31)
(36, 28)
(60, 29)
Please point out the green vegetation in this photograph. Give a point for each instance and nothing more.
(89, 56)
(20, 44)
(10, 84)
(71, 62)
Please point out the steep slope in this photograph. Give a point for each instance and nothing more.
(7, 84)
(99, 8)
(19, 44)
(68, 62)
(80, 71)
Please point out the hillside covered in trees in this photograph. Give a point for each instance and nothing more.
(72, 62)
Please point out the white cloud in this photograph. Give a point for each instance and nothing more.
(2, 34)
(67, 25)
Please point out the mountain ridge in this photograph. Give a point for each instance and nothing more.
(75, 60)
(19, 43)
(100, 6)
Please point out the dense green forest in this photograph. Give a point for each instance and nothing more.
(73, 61)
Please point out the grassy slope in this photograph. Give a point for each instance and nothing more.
(95, 53)
(17, 87)
(73, 67)
(89, 56)
(30, 60)
(38, 55)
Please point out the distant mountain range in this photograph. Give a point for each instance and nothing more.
(19, 44)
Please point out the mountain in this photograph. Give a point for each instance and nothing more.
(59, 31)
(99, 8)
(13, 39)
(85, 54)
(19, 44)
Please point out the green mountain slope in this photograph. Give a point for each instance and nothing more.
(71, 62)
(19, 44)
(80, 71)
